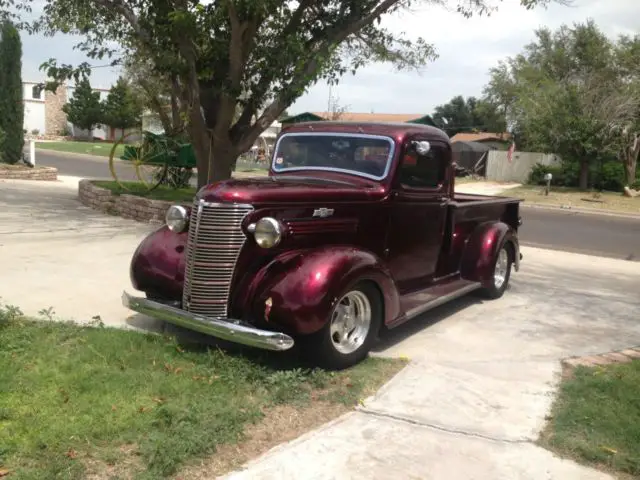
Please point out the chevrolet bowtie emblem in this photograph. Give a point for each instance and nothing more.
(323, 212)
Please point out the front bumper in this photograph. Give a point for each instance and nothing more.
(226, 329)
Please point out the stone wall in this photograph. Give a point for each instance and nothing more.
(126, 206)
(15, 172)
(55, 120)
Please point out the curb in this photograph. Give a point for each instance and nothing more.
(586, 211)
(619, 356)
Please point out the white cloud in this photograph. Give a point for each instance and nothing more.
(467, 48)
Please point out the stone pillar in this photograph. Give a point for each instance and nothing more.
(55, 120)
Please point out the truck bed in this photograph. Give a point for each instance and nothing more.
(466, 209)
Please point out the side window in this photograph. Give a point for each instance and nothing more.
(423, 171)
(36, 92)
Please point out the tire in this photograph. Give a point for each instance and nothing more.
(500, 274)
(330, 347)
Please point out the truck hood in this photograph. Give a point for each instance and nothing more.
(289, 189)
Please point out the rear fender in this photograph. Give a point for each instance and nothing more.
(297, 291)
(482, 249)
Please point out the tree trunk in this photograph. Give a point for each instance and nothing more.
(584, 174)
(631, 153)
(214, 161)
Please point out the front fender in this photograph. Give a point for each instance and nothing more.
(157, 266)
(302, 287)
(482, 249)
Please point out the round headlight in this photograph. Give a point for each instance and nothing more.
(267, 232)
(176, 218)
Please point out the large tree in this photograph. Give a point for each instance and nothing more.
(11, 104)
(241, 63)
(567, 93)
(122, 108)
(472, 114)
(84, 109)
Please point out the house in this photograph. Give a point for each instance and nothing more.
(43, 113)
(360, 117)
(498, 141)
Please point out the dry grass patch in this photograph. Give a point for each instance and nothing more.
(569, 197)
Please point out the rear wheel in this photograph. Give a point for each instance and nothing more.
(350, 331)
(501, 273)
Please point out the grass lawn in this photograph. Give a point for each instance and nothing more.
(137, 188)
(596, 418)
(576, 198)
(102, 149)
(93, 402)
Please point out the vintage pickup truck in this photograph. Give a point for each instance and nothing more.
(356, 228)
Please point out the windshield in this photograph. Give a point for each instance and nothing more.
(364, 155)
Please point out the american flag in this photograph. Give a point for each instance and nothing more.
(512, 148)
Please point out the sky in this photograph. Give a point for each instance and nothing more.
(467, 49)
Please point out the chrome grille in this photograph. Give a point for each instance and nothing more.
(214, 243)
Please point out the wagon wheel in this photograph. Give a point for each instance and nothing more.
(152, 162)
(141, 154)
(114, 157)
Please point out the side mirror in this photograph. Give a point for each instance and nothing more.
(422, 147)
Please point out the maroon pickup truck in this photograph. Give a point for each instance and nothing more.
(356, 228)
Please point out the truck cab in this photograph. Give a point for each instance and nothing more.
(356, 228)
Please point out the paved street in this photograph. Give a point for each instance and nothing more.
(555, 229)
(472, 401)
(84, 166)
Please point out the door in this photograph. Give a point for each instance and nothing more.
(417, 217)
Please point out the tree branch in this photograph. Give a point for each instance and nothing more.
(281, 101)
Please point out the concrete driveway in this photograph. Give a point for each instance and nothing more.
(469, 405)
(481, 381)
(57, 253)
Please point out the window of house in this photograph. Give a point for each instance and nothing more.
(423, 171)
(36, 92)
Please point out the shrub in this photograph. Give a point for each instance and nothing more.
(536, 177)
(11, 106)
(609, 176)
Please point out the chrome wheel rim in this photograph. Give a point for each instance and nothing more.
(350, 322)
(502, 265)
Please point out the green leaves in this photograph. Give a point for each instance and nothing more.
(84, 109)
(122, 109)
(573, 92)
(11, 105)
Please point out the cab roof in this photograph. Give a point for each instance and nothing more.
(396, 130)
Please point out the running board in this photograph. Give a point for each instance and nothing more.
(436, 302)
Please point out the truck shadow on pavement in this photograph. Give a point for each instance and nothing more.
(389, 338)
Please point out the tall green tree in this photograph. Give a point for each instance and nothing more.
(470, 115)
(122, 109)
(241, 63)
(11, 104)
(567, 93)
(84, 109)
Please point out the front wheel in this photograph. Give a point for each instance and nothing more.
(350, 330)
(501, 273)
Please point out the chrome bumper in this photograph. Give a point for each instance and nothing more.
(226, 329)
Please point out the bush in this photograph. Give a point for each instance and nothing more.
(607, 175)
